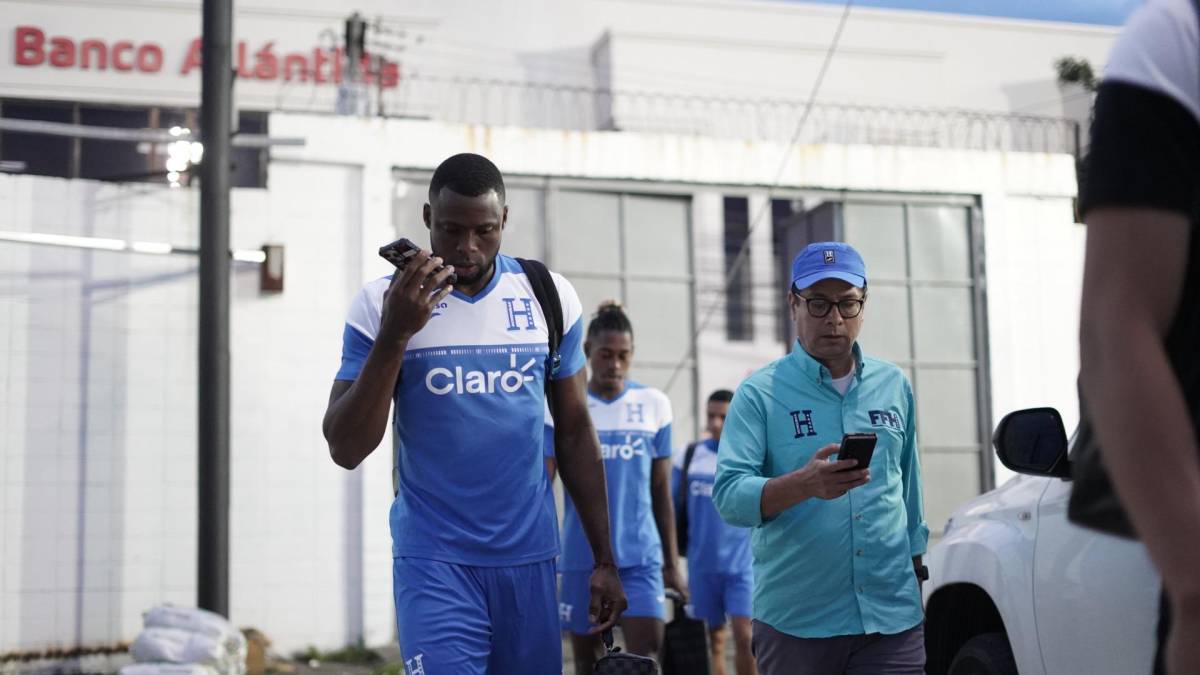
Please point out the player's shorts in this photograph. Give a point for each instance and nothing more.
(643, 590)
(476, 620)
(715, 596)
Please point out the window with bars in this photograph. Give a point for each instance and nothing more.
(739, 295)
(117, 161)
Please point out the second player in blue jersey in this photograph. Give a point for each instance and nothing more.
(634, 425)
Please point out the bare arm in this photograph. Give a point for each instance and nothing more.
(577, 451)
(663, 504)
(357, 413)
(1133, 278)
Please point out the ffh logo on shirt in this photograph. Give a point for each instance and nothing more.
(414, 666)
(803, 422)
(884, 418)
(635, 413)
(564, 611)
(514, 313)
(830, 256)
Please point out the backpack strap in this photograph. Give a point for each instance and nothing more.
(681, 514)
(683, 480)
(547, 296)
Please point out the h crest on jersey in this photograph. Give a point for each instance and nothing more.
(520, 316)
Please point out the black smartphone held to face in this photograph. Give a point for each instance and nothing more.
(859, 447)
(402, 250)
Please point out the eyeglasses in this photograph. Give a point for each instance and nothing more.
(818, 308)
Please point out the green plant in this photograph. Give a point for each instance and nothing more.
(1072, 70)
(352, 653)
(396, 668)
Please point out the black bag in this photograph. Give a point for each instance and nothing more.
(681, 514)
(547, 296)
(685, 643)
(617, 662)
(1093, 503)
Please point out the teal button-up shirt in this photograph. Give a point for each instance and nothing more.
(824, 568)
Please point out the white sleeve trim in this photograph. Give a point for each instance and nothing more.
(665, 415)
(571, 308)
(367, 307)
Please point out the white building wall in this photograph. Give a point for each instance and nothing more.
(98, 384)
(310, 550)
(745, 48)
(1031, 241)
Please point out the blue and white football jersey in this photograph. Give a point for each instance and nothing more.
(713, 544)
(468, 420)
(634, 430)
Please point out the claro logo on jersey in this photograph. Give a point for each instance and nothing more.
(443, 381)
(630, 448)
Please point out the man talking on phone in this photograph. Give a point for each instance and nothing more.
(464, 360)
(837, 546)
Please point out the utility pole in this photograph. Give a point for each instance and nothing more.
(216, 105)
(352, 95)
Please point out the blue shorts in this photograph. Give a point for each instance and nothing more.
(715, 595)
(476, 620)
(643, 589)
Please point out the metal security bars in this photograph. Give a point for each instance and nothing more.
(558, 106)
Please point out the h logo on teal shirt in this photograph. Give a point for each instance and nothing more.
(802, 420)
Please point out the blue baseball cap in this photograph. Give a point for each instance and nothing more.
(828, 260)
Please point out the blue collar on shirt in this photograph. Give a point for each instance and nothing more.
(818, 372)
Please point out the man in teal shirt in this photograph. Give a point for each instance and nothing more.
(837, 548)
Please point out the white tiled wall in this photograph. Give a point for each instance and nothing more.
(98, 418)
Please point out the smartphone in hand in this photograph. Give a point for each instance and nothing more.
(402, 250)
(860, 447)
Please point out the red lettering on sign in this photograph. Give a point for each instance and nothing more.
(295, 64)
(149, 58)
(32, 47)
(266, 64)
(242, 71)
(319, 59)
(193, 59)
(27, 46)
(62, 52)
(87, 49)
(119, 49)
(389, 74)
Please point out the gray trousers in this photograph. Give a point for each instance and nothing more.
(875, 654)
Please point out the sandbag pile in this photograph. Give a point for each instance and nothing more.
(186, 641)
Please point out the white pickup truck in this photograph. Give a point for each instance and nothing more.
(1016, 588)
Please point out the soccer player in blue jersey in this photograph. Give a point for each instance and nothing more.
(720, 576)
(473, 522)
(634, 423)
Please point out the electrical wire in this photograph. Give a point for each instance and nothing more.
(744, 251)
